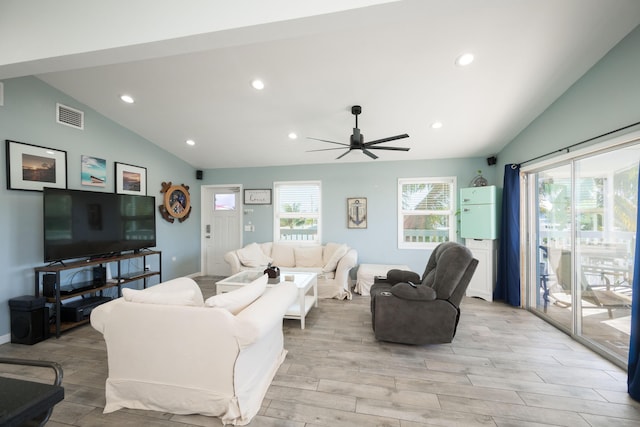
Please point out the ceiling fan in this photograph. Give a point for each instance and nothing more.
(357, 141)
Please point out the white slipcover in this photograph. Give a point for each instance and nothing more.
(333, 272)
(186, 359)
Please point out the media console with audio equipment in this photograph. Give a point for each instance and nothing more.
(77, 311)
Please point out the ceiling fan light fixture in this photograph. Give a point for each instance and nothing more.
(293, 135)
(464, 59)
(257, 84)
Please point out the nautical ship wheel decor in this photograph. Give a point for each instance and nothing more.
(177, 202)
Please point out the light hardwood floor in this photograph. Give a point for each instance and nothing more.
(506, 367)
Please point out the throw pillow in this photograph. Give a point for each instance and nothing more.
(236, 300)
(181, 297)
(308, 256)
(283, 255)
(252, 256)
(332, 264)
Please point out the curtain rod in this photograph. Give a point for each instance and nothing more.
(569, 147)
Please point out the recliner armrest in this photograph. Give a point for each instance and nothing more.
(396, 276)
(415, 293)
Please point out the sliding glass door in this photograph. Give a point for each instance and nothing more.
(583, 230)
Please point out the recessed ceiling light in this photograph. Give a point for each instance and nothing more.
(190, 142)
(293, 135)
(436, 125)
(257, 84)
(127, 98)
(464, 59)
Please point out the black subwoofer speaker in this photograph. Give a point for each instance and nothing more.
(29, 320)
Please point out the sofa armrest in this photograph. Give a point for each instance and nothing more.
(265, 313)
(232, 259)
(346, 263)
(100, 314)
(396, 276)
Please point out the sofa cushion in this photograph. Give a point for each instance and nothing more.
(252, 256)
(177, 297)
(283, 255)
(310, 256)
(337, 252)
(236, 300)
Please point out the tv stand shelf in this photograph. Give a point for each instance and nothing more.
(85, 288)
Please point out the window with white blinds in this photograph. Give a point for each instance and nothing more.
(426, 212)
(297, 207)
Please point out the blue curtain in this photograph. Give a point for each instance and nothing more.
(508, 281)
(633, 381)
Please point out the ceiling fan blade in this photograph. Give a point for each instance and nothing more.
(369, 153)
(343, 154)
(330, 142)
(389, 148)
(324, 149)
(391, 138)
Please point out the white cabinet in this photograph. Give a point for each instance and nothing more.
(484, 279)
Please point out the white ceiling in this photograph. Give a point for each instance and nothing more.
(395, 59)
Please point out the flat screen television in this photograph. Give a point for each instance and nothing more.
(81, 224)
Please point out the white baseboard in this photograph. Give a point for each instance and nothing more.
(5, 339)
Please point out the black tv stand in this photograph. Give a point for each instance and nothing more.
(81, 289)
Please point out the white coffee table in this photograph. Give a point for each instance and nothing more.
(305, 283)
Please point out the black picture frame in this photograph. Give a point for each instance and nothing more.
(130, 179)
(33, 167)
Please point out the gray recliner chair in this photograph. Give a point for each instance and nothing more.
(408, 309)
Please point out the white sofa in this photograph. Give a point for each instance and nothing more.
(170, 351)
(332, 262)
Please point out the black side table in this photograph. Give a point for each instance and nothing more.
(22, 401)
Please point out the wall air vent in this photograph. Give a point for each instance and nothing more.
(69, 116)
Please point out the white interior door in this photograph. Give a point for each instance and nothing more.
(221, 227)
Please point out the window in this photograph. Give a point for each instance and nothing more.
(426, 212)
(297, 207)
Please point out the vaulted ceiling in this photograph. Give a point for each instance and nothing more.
(190, 71)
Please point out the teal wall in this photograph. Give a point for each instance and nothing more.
(28, 116)
(606, 98)
(376, 180)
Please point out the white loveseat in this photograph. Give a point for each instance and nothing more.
(332, 262)
(170, 351)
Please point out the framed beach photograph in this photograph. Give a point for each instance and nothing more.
(357, 212)
(32, 167)
(93, 172)
(131, 179)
